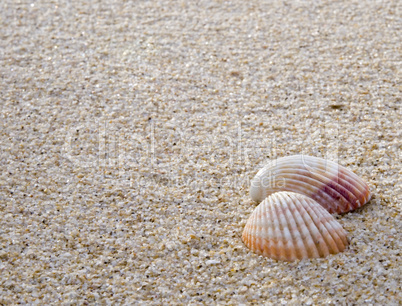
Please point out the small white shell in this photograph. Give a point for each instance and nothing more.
(290, 226)
(334, 187)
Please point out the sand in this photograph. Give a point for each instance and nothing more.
(130, 130)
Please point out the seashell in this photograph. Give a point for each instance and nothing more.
(290, 226)
(334, 187)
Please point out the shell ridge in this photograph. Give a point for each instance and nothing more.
(269, 242)
(290, 226)
(353, 179)
(314, 226)
(311, 230)
(333, 186)
(298, 226)
(338, 234)
(328, 188)
(266, 221)
(321, 176)
(291, 183)
(297, 186)
(324, 220)
(335, 189)
(289, 230)
(277, 229)
(258, 228)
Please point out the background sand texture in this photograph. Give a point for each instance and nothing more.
(129, 131)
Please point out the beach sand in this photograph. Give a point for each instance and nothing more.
(129, 132)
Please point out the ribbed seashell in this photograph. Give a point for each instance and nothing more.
(336, 188)
(289, 226)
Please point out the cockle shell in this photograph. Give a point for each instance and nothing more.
(290, 226)
(334, 187)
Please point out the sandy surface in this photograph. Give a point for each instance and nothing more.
(129, 131)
